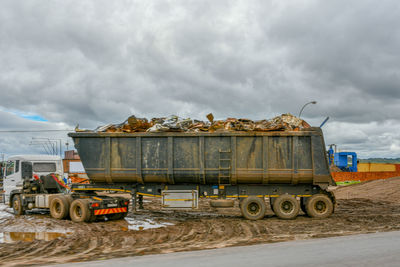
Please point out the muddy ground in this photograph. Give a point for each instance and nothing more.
(359, 209)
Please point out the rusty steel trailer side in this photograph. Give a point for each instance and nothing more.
(205, 158)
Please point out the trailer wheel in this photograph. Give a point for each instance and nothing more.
(319, 206)
(253, 208)
(79, 211)
(286, 207)
(17, 205)
(59, 207)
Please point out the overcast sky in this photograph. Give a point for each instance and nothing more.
(97, 62)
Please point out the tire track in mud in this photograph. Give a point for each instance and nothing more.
(191, 231)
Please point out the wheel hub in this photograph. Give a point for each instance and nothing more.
(287, 206)
(253, 208)
(320, 206)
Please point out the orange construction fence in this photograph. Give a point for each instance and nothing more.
(365, 176)
(79, 180)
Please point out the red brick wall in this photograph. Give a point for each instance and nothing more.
(364, 176)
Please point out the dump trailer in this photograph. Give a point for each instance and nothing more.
(289, 168)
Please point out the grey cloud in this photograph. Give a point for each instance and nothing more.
(95, 62)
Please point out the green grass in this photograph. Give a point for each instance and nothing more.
(380, 160)
(347, 183)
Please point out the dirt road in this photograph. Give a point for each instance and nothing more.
(185, 231)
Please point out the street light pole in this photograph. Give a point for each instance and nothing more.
(311, 102)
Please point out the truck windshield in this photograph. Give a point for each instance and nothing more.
(10, 168)
(44, 167)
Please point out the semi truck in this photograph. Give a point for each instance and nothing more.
(35, 182)
(288, 168)
(40, 165)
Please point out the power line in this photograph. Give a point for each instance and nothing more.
(33, 131)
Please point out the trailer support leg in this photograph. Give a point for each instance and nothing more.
(140, 199)
(134, 195)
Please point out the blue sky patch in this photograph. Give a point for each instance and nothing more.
(32, 117)
(28, 116)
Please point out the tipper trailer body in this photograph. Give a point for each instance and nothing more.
(288, 167)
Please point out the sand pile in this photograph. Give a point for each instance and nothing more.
(384, 190)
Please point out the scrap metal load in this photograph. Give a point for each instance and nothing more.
(285, 122)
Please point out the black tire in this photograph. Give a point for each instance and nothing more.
(59, 207)
(286, 207)
(116, 216)
(240, 203)
(253, 208)
(319, 206)
(79, 211)
(17, 205)
(69, 199)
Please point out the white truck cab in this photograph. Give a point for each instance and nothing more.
(41, 165)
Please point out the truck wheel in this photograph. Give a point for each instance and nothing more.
(59, 207)
(319, 206)
(17, 205)
(253, 208)
(286, 207)
(79, 211)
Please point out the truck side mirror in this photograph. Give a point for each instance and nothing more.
(26, 170)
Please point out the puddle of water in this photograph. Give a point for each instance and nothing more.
(5, 212)
(10, 237)
(143, 224)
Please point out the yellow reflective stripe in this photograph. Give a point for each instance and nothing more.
(177, 199)
(97, 198)
(100, 189)
(148, 195)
